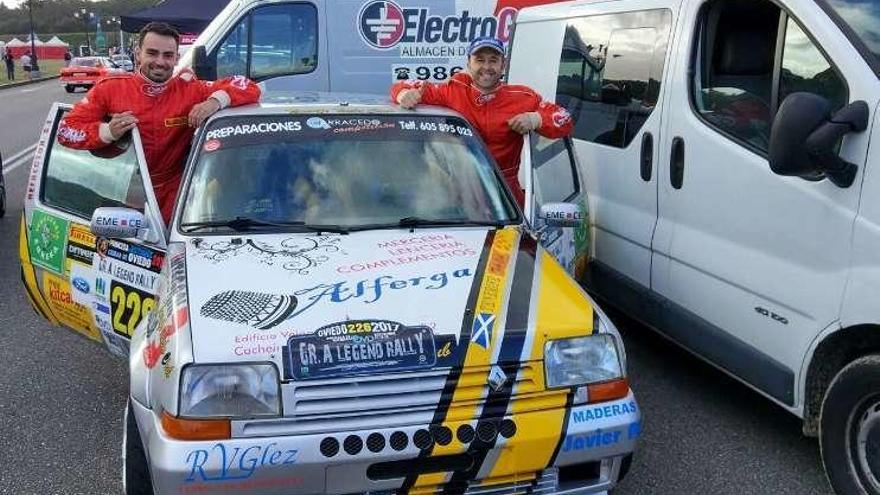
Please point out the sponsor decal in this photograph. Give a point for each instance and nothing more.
(132, 254)
(101, 287)
(47, 240)
(82, 279)
(263, 311)
(69, 313)
(297, 255)
(231, 462)
(69, 134)
(317, 123)
(359, 346)
(81, 285)
(120, 223)
(128, 274)
(592, 440)
(244, 486)
(181, 121)
(153, 90)
(80, 245)
(407, 72)
(171, 316)
(600, 438)
(585, 415)
(261, 128)
(384, 24)
(211, 145)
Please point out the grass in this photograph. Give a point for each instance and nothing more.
(47, 68)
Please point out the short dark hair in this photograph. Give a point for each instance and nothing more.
(160, 28)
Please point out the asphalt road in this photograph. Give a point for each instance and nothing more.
(61, 396)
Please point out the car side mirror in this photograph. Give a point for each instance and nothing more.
(561, 214)
(118, 222)
(202, 65)
(804, 138)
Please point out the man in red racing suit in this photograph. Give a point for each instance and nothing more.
(500, 112)
(166, 109)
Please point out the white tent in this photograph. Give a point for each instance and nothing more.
(37, 41)
(15, 42)
(55, 41)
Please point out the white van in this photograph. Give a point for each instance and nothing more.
(734, 197)
(348, 46)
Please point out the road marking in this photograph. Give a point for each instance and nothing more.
(20, 158)
(29, 90)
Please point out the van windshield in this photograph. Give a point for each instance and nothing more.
(354, 172)
(863, 17)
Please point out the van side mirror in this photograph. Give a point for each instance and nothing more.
(118, 222)
(562, 214)
(202, 65)
(804, 137)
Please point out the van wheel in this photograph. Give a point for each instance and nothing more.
(849, 428)
(69, 88)
(135, 471)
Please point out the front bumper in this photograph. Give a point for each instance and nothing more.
(580, 453)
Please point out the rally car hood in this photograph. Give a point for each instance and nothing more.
(324, 305)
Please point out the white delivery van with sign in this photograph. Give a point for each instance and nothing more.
(349, 46)
(733, 192)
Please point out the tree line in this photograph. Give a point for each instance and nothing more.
(53, 17)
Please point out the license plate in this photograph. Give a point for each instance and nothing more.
(80, 74)
(361, 346)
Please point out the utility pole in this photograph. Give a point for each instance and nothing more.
(34, 61)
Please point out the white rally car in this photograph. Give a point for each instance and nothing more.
(347, 300)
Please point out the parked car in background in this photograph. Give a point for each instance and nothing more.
(124, 62)
(84, 72)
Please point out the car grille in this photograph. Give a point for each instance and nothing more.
(400, 399)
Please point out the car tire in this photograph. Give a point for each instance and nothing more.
(849, 428)
(69, 88)
(135, 470)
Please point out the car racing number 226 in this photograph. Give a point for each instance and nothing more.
(128, 306)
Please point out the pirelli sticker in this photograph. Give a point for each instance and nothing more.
(80, 245)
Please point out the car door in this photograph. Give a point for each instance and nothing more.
(550, 173)
(612, 59)
(100, 288)
(754, 264)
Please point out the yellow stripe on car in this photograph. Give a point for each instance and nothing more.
(472, 383)
(562, 311)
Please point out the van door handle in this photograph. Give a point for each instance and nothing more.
(676, 163)
(647, 156)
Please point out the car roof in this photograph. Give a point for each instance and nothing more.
(275, 102)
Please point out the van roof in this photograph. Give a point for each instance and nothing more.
(554, 11)
(327, 103)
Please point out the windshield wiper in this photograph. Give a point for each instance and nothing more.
(440, 222)
(240, 224)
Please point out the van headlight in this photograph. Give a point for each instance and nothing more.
(582, 360)
(230, 391)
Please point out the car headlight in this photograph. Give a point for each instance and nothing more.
(230, 390)
(581, 360)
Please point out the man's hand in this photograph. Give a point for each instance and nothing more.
(120, 123)
(525, 122)
(202, 111)
(409, 98)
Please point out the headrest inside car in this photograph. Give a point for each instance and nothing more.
(745, 53)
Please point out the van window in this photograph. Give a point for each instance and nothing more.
(609, 73)
(271, 41)
(735, 85)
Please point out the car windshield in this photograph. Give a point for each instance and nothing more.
(84, 62)
(863, 17)
(347, 171)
